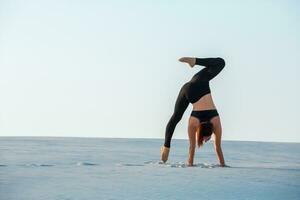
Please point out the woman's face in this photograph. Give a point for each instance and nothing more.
(206, 138)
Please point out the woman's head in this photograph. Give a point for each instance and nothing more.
(204, 133)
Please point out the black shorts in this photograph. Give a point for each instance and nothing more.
(204, 115)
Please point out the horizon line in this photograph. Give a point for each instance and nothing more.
(88, 137)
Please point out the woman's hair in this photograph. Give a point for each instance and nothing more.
(205, 130)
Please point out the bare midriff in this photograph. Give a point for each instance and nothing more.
(204, 103)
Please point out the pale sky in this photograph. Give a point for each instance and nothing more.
(110, 69)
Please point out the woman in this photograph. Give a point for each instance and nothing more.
(204, 120)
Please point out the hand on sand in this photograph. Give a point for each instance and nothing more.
(191, 61)
(224, 165)
(164, 153)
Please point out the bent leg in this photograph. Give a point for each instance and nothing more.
(213, 66)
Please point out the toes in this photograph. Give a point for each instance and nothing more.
(183, 59)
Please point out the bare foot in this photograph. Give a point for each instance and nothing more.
(164, 152)
(191, 61)
(190, 164)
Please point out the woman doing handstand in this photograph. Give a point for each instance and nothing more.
(204, 120)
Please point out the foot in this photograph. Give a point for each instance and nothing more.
(189, 60)
(164, 153)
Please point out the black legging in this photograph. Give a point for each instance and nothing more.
(192, 91)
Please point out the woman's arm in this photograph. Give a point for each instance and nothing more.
(218, 149)
(217, 142)
(193, 127)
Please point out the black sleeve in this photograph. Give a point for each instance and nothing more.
(213, 66)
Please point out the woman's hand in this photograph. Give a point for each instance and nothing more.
(224, 165)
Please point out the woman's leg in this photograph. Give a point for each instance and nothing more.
(213, 66)
(180, 106)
